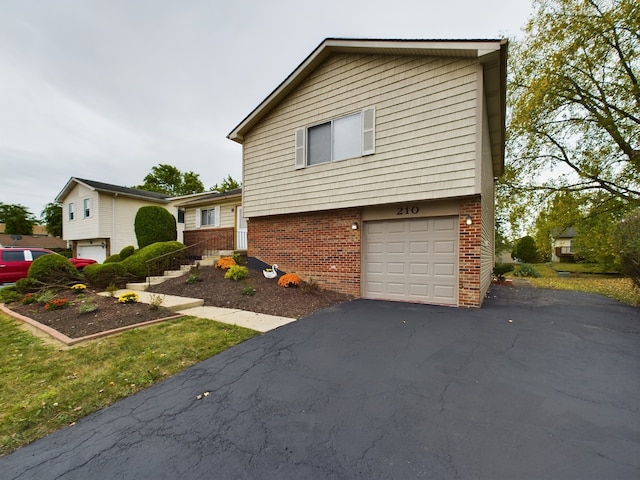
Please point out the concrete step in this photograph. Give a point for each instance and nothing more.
(172, 302)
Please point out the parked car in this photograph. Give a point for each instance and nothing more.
(15, 262)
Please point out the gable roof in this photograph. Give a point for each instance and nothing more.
(113, 189)
(210, 197)
(491, 53)
(33, 241)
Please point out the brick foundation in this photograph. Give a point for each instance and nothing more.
(210, 239)
(319, 246)
(469, 246)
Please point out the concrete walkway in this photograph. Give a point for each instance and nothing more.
(195, 307)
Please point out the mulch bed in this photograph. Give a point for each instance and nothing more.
(269, 297)
(109, 314)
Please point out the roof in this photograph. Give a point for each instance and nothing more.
(113, 189)
(491, 53)
(33, 241)
(210, 197)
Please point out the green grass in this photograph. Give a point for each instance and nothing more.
(44, 387)
(588, 278)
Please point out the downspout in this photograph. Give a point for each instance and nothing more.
(113, 222)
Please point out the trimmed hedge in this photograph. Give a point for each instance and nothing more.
(102, 275)
(136, 264)
(154, 224)
(53, 268)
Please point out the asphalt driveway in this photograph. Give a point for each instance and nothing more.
(536, 384)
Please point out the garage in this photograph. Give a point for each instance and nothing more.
(96, 252)
(411, 260)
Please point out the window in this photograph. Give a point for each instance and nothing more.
(209, 217)
(87, 207)
(345, 137)
(181, 215)
(71, 211)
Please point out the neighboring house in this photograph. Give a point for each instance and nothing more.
(370, 169)
(38, 230)
(98, 218)
(32, 241)
(562, 246)
(213, 221)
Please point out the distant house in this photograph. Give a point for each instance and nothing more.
(214, 221)
(38, 230)
(98, 218)
(562, 246)
(32, 241)
(370, 169)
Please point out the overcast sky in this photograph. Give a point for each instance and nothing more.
(107, 89)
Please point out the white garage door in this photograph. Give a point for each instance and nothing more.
(412, 260)
(92, 251)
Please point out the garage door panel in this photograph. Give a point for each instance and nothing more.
(411, 260)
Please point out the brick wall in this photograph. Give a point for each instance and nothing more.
(210, 239)
(319, 246)
(469, 253)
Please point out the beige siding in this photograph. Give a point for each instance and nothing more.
(426, 144)
(227, 216)
(487, 185)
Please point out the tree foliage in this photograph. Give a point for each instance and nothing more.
(52, 216)
(628, 245)
(575, 97)
(17, 219)
(227, 184)
(169, 180)
(574, 123)
(525, 250)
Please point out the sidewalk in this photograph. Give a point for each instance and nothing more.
(195, 307)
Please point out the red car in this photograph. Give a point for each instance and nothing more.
(15, 262)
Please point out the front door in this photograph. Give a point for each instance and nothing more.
(241, 230)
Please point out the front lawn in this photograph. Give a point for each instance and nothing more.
(585, 278)
(44, 387)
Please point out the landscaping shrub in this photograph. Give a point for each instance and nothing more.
(225, 262)
(53, 269)
(136, 264)
(113, 258)
(501, 269)
(526, 270)
(525, 250)
(154, 224)
(127, 251)
(102, 274)
(289, 280)
(27, 285)
(9, 294)
(236, 272)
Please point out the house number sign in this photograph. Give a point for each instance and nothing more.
(413, 210)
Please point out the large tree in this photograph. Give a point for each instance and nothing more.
(574, 98)
(52, 216)
(168, 179)
(227, 184)
(18, 220)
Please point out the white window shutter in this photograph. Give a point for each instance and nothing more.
(198, 218)
(369, 131)
(217, 215)
(300, 148)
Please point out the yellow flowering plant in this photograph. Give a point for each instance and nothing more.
(129, 297)
(79, 287)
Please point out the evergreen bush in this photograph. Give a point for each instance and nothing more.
(53, 268)
(101, 275)
(154, 224)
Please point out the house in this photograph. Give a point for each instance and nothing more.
(38, 230)
(370, 169)
(98, 218)
(32, 241)
(214, 221)
(562, 245)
